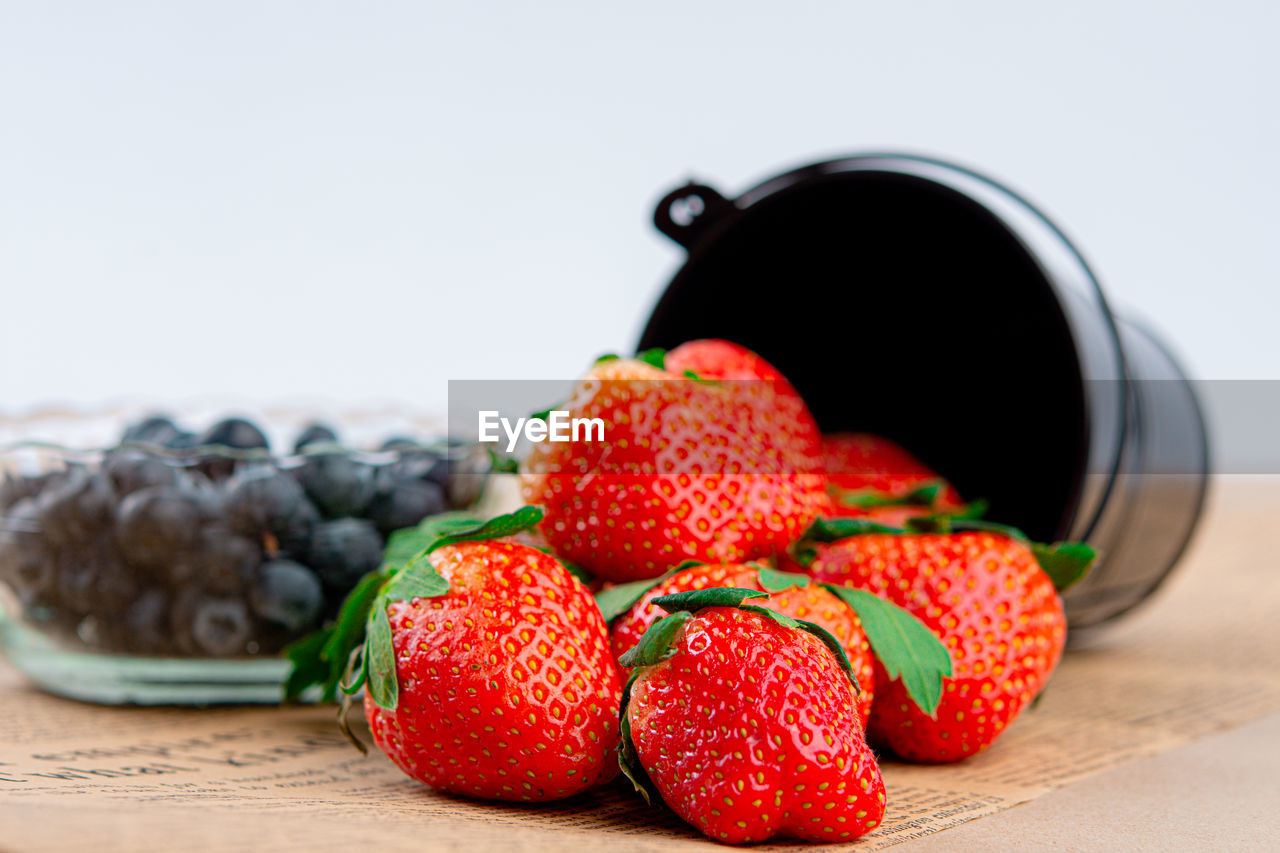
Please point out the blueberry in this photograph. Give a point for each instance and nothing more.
(77, 509)
(286, 594)
(158, 525)
(154, 430)
(315, 434)
(183, 441)
(221, 562)
(337, 484)
(415, 463)
(236, 433)
(270, 507)
(76, 577)
(221, 627)
(230, 560)
(26, 564)
(207, 494)
(15, 487)
(94, 580)
(466, 474)
(131, 470)
(406, 503)
(116, 585)
(344, 551)
(233, 434)
(146, 624)
(256, 497)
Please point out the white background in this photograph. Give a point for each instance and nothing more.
(354, 202)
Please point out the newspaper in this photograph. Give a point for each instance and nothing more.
(1196, 660)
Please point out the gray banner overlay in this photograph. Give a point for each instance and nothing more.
(1242, 416)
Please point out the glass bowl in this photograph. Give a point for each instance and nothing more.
(173, 567)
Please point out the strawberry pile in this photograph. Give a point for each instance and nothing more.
(770, 605)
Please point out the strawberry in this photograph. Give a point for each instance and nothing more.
(809, 602)
(745, 723)
(717, 359)
(871, 477)
(987, 594)
(487, 667)
(747, 373)
(714, 471)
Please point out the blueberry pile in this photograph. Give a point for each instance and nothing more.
(183, 544)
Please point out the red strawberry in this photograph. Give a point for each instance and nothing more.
(865, 473)
(758, 381)
(716, 359)
(746, 725)
(488, 668)
(688, 470)
(810, 602)
(985, 595)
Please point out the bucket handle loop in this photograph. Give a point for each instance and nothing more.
(686, 212)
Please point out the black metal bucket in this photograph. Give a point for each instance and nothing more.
(916, 299)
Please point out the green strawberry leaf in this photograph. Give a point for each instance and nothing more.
(348, 631)
(616, 600)
(946, 523)
(689, 374)
(577, 571)
(804, 553)
(859, 497)
(655, 646)
(776, 581)
(923, 495)
(781, 618)
(971, 511)
(816, 630)
(832, 529)
(1064, 562)
(309, 667)
(403, 545)
(628, 759)
(609, 356)
(656, 357)
(495, 528)
(696, 599)
(908, 650)
(416, 580)
(380, 658)
(501, 463)
(354, 675)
